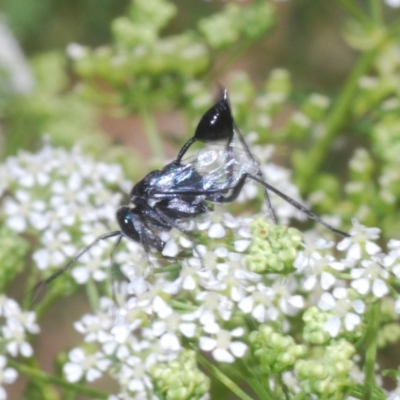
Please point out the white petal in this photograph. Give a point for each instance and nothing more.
(344, 244)
(221, 252)
(73, 372)
(12, 348)
(246, 304)
(77, 355)
(296, 301)
(351, 320)
(340, 293)
(358, 306)
(207, 343)
(16, 223)
(332, 326)
(326, 302)
(120, 333)
(3, 394)
(189, 283)
(361, 285)
(26, 349)
(357, 272)
(396, 270)
(337, 265)
(239, 331)
(93, 374)
(372, 248)
(393, 3)
(241, 245)
(222, 355)
(9, 375)
(41, 258)
(187, 329)
(216, 231)
(238, 349)
(327, 280)
(310, 282)
(170, 342)
(80, 274)
(259, 313)
(397, 306)
(379, 288)
(170, 249)
(354, 251)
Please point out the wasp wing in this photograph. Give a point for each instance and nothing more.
(206, 171)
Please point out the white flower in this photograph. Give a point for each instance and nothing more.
(342, 311)
(221, 345)
(91, 266)
(82, 365)
(359, 240)
(27, 319)
(315, 266)
(216, 222)
(371, 277)
(14, 335)
(19, 211)
(260, 303)
(95, 327)
(213, 303)
(7, 376)
(289, 303)
(8, 307)
(58, 248)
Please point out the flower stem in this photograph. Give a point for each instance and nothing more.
(223, 378)
(354, 11)
(340, 110)
(375, 7)
(152, 134)
(337, 117)
(370, 355)
(42, 376)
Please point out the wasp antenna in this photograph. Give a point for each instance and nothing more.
(116, 244)
(40, 286)
(298, 205)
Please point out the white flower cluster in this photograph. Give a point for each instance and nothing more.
(68, 197)
(205, 292)
(15, 327)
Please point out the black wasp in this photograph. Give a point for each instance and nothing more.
(185, 187)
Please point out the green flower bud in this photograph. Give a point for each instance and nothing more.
(299, 125)
(315, 106)
(279, 82)
(314, 332)
(274, 351)
(219, 30)
(180, 379)
(273, 248)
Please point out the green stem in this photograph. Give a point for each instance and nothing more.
(355, 11)
(152, 134)
(370, 355)
(48, 301)
(223, 378)
(375, 7)
(42, 376)
(341, 108)
(262, 390)
(92, 294)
